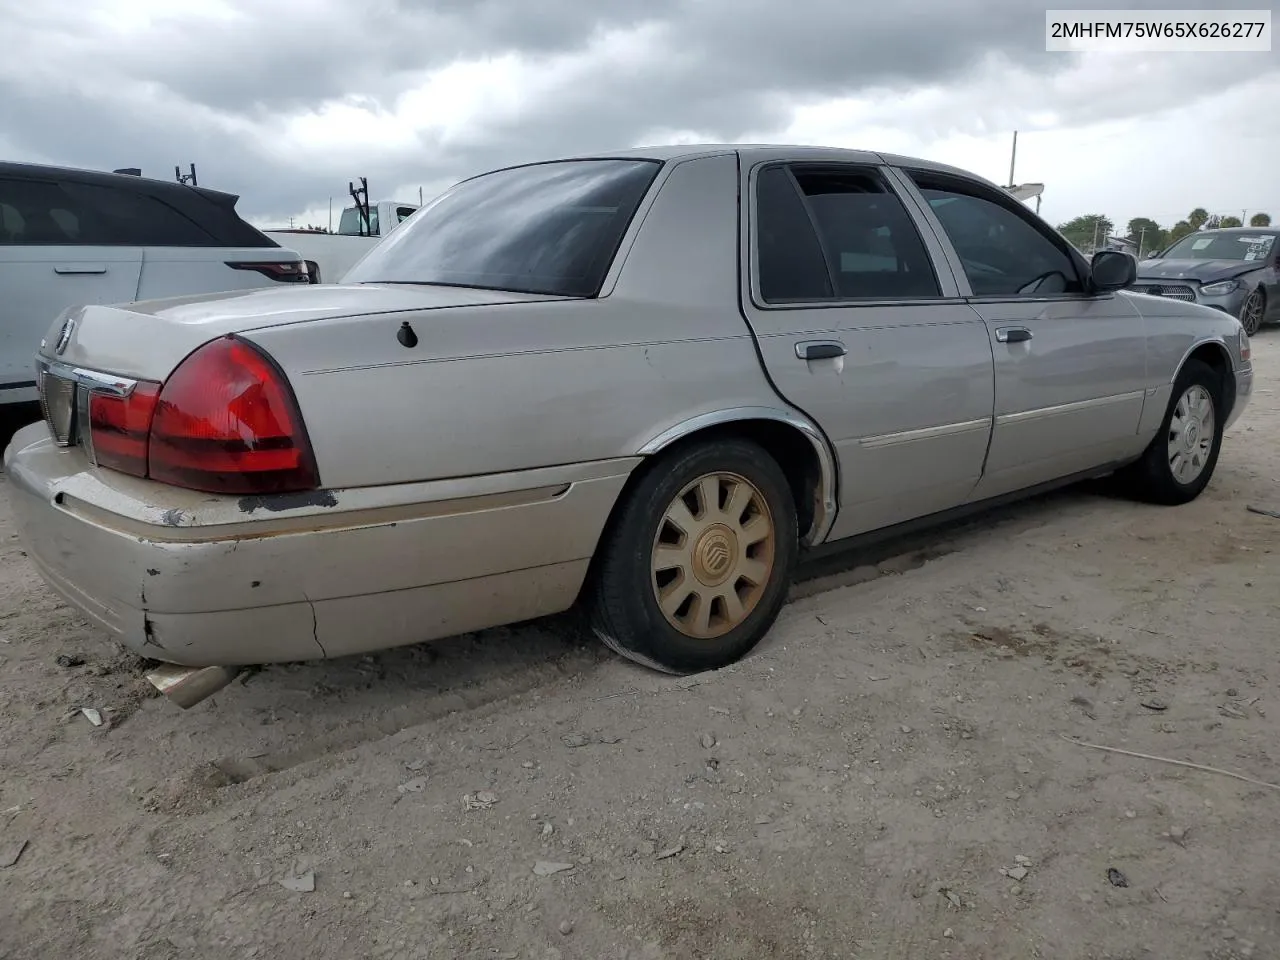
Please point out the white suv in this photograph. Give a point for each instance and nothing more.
(74, 237)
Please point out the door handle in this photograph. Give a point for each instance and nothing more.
(66, 269)
(1013, 334)
(820, 349)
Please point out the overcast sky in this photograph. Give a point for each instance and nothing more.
(284, 101)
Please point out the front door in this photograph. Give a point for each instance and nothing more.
(860, 325)
(1070, 367)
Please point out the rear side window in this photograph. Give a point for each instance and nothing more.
(1003, 253)
(48, 212)
(549, 228)
(791, 262)
(867, 245)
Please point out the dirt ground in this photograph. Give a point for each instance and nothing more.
(886, 778)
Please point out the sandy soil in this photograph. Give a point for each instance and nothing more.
(886, 777)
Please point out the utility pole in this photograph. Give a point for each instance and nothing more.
(331, 214)
(1141, 237)
(1013, 158)
(1097, 222)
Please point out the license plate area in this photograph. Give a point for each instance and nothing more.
(58, 403)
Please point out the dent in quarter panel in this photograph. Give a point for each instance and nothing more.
(496, 388)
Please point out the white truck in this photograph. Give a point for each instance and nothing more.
(330, 255)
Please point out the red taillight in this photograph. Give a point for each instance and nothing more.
(119, 427)
(225, 422)
(286, 271)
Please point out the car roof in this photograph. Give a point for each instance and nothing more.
(164, 189)
(763, 152)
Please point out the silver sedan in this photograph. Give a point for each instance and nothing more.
(645, 382)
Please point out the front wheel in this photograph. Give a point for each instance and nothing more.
(699, 560)
(1252, 310)
(1181, 458)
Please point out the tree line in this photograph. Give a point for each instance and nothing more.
(1093, 231)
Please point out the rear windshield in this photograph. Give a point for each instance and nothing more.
(351, 223)
(550, 228)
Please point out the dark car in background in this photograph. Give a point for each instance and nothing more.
(1236, 270)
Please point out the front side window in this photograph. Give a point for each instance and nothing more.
(1003, 254)
(837, 233)
(548, 228)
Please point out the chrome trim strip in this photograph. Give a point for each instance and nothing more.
(824, 506)
(1023, 416)
(925, 433)
(89, 379)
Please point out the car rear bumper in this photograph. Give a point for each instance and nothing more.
(199, 579)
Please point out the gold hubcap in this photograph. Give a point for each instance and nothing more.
(713, 555)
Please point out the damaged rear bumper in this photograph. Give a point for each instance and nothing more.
(198, 579)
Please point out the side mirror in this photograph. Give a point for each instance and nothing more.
(1112, 270)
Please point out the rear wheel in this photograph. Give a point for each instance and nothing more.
(699, 560)
(1178, 464)
(1252, 311)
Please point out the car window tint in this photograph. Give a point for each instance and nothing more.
(874, 249)
(1002, 252)
(549, 228)
(119, 216)
(790, 258)
(37, 212)
(44, 212)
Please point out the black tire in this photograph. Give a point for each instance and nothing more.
(1152, 478)
(1252, 311)
(623, 608)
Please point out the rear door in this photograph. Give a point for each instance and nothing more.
(54, 254)
(1070, 367)
(860, 325)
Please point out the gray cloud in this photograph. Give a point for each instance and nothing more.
(726, 69)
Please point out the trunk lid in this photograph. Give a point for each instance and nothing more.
(146, 340)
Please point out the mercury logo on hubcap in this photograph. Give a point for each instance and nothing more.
(713, 555)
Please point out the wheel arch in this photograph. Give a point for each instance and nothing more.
(795, 442)
(1214, 354)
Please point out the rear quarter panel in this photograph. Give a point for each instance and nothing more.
(191, 271)
(492, 389)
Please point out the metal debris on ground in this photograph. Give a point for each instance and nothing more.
(12, 853)
(303, 883)
(480, 801)
(546, 868)
(1263, 511)
(416, 785)
(92, 715)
